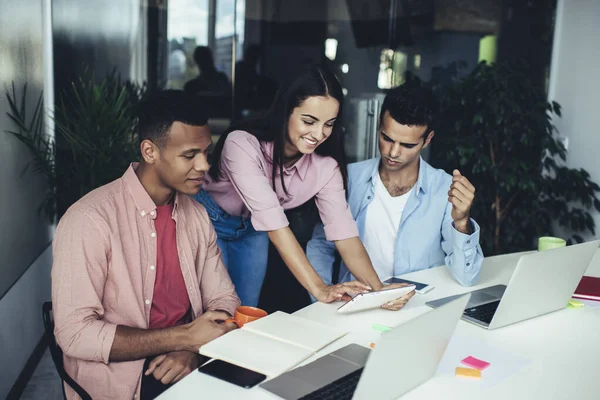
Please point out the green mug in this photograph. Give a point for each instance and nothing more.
(549, 242)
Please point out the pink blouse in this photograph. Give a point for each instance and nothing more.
(245, 187)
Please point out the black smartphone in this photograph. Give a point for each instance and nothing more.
(232, 373)
(421, 288)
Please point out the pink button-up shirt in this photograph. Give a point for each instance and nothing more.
(103, 276)
(245, 187)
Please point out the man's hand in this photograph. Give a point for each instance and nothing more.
(400, 302)
(341, 291)
(461, 195)
(172, 367)
(205, 328)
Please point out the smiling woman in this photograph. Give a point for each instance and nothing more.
(310, 125)
(281, 161)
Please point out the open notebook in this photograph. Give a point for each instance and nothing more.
(273, 344)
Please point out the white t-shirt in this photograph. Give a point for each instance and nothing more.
(381, 228)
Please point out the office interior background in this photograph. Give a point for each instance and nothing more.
(62, 48)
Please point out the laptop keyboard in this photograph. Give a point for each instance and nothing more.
(484, 312)
(341, 389)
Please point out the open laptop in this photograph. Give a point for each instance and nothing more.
(411, 351)
(542, 282)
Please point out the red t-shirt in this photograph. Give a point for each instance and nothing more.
(170, 302)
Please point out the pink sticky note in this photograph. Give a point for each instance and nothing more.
(475, 363)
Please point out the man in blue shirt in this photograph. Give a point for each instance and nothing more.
(410, 216)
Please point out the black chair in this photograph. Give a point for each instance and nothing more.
(57, 354)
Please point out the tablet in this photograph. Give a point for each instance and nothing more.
(365, 301)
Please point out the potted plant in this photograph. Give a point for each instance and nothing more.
(495, 125)
(96, 123)
(30, 132)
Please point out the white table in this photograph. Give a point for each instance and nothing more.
(564, 346)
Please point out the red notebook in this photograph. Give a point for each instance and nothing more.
(588, 288)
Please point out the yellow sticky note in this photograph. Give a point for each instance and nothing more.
(575, 303)
(468, 373)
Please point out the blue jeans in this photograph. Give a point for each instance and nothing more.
(244, 250)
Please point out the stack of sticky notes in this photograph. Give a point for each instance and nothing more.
(381, 328)
(575, 303)
(476, 366)
(468, 373)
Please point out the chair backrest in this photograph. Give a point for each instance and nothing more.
(56, 352)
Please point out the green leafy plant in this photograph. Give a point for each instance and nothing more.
(95, 124)
(496, 126)
(30, 131)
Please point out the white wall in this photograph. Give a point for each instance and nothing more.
(575, 84)
(21, 326)
(23, 231)
(25, 57)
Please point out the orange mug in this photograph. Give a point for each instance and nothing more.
(245, 314)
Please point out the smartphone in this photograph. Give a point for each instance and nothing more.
(420, 288)
(232, 373)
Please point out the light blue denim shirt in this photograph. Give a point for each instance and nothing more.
(426, 236)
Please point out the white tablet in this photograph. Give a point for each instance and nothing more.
(370, 300)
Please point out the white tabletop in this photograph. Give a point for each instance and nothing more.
(563, 347)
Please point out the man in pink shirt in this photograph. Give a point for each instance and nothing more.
(138, 285)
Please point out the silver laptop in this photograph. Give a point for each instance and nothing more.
(404, 357)
(542, 282)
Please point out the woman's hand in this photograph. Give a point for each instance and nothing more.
(341, 291)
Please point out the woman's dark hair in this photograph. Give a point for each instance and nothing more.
(314, 80)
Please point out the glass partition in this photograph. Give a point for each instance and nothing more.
(245, 48)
